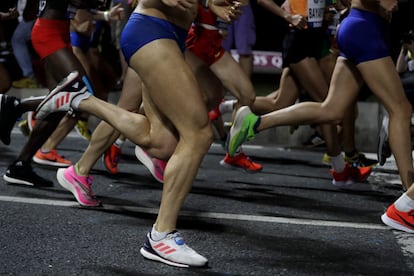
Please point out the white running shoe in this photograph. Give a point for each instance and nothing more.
(65, 97)
(173, 251)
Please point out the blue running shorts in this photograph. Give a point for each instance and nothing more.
(363, 36)
(81, 41)
(142, 29)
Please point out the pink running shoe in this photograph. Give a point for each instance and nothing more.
(79, 186)
(154, 165)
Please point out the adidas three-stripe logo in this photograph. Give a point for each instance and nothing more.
(166, 249)
(62, 100)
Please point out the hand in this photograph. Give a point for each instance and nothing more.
(297, 21)
(116, 13)
(226, 12)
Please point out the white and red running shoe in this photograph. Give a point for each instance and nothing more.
(173, 251)
(65, 97)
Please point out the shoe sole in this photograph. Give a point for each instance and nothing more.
(146, 160)
(236, 129)
(49, 163)
(343, 184)
(17, 181)
(232, 167)
(67, 186)
(30, 123)
(394, 224)
(153, 257)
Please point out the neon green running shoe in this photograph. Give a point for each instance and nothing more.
(242, 129)
(326, 159)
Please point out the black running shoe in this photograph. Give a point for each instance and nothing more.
(22, 173)
(8, 116)
(360, 160)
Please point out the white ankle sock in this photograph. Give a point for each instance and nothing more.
(119, 142)
(226, 106)
(156, 236)
(404, 203)
(337, 163)
(78, 99)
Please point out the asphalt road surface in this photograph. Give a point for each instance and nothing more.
(287, 220)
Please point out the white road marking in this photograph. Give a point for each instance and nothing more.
(225, 216)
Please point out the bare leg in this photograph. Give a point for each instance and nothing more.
(383, 80)
(246, 63)
(193, 132)
(104, 134)
(286, 95)
(65, 126)
(213, 91)
(311, 77)
(342, 93)
(231, 75)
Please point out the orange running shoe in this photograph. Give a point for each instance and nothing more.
(241, 161)
(350, 175)
(399, 220)
(51, 158)
(111, 158)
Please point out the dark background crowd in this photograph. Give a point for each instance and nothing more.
(270, 31)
